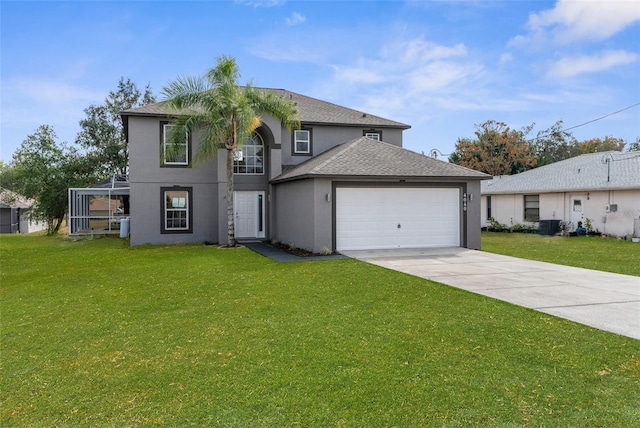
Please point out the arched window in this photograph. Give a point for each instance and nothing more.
(249, 159)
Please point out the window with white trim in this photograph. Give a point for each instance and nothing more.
(302, 142)
(174, 153)
(373, 135)
(176, 210)
(532, 208)
(249, 159)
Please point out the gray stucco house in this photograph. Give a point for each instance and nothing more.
(343, 181)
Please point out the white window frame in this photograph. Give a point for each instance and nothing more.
(373, 135)
(185, 208)
(297, 139)
(166, 129)
(242, 155)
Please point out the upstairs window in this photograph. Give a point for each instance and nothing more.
(302, 142)
(532, 208)
(373, 134)
(249, 159)
(174, 153)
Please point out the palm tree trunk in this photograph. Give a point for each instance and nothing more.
(231, 236)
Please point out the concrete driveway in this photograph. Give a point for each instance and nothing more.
(606, 301)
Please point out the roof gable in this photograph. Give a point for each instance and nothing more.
(364, 157)
(595, 171)
(311, 110)
(9, 199)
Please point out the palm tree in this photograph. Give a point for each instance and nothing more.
(226, 114)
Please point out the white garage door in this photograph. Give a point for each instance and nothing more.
(378, 218)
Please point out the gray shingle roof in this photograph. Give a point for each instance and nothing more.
(581, 173)
(364, 157)
(9, 199)
(312, 110)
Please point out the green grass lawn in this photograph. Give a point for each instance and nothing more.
(590, 252)
(95, 333)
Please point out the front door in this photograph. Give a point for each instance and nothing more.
(577, 211)
(249, 212)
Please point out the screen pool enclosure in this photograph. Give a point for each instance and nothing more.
(101, 209)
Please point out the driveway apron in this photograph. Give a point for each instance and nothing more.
(603, 300)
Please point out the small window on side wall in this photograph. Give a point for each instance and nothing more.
(176, 152)
(374, 134)
(302, 142)
(532, 208)
(176, 208)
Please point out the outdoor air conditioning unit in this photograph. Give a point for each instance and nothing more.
(611, 208)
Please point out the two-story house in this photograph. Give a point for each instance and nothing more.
(342, 181)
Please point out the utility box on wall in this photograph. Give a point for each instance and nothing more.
(611, 208)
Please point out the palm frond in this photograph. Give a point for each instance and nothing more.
(226, 72)
(214, 105)
(282, 109)
(185, 92)
(215, 133)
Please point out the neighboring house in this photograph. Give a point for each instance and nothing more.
(14, 214)
(601, 187)
(103, 206)
(332, 185)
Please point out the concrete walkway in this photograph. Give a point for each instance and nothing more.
(279, 255)
(606, 301)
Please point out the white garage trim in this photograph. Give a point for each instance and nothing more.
(386, 217)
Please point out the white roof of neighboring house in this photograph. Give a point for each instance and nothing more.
(595, 171)
(9, 199)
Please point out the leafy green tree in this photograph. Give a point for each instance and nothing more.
(595, 145)
(7, 176)
(553, 145)
(496, 150)
(102, 131)
(44, 170)
(226, 114)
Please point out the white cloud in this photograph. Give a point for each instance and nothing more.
(357, 75)
(440, 75)
(408, 78)
(572, 66)
(399, 60)
(295, 19)
(572, 20)
(505, 58)
(420, 51)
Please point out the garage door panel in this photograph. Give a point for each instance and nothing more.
(368, 218)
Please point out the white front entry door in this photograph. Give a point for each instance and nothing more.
(577, 210)
(248, 207)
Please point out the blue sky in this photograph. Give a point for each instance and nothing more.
(441, 67)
